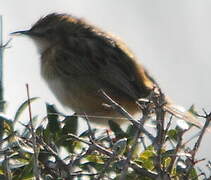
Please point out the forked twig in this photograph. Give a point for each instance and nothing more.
(36, 162)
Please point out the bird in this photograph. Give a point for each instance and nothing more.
(78, 59)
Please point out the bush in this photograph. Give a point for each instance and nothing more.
(161, 152)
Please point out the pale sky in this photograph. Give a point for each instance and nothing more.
(171, 38)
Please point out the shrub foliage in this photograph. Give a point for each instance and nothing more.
(135, 152)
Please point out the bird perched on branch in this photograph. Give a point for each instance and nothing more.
(78, 59)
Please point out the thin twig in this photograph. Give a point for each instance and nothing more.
(36, 165)
(129, 155)
(192, 161)
(76, 160)
(133, 165)
(143, 142)
(107, 164)
(91, 134)
(176, 150)
(159, 101)
(6, 44)
(92, 145)
(80, 173)
(160, 116)
(109, 161)
(49, 149)
(196, 147)
(123, 112)
(142, 171)
(109, 137)
(168, 125)
(145, 111)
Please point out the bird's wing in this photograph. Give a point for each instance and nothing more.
(107, 63)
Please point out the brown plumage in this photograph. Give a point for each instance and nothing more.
(78, 59)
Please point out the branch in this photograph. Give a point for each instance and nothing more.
(36, 166)
(124, 113)
(141, 171)
(196, 147)
(129, 156)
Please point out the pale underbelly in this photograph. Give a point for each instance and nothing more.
(84, 99)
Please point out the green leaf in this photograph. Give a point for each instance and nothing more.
(95, 158)
(168, 153)
(48, 177)
(146, 159)
(43, 156)
(118, 165)
(119, 147)
(70, 125)
(6, 126)
(27, 133)
(130, 133)
(173, 134)
(181, 167)
(166, 162)
(88, 133)
(147, 154)
(119, 133)
(193, 174)
(130, 130)
(53, 119)
(22, 108)
(192, 110)
(25, 172)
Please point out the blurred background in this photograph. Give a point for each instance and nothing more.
(171, 38)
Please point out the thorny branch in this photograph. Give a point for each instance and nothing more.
(123, 112)
(132, 164)
(73, 165)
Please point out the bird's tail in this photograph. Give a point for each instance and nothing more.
(181, 113)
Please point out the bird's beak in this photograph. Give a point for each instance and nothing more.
(27, 32)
